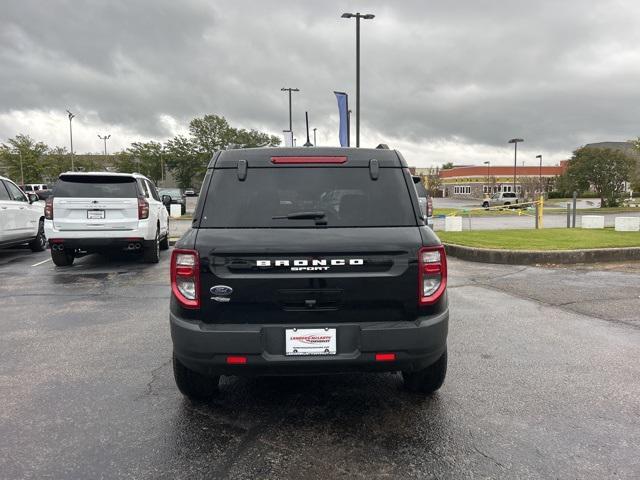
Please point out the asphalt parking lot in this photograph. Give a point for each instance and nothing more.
(543, 382)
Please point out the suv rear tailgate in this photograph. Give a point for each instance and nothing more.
(309, 275)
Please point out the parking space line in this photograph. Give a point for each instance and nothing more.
(40, 263)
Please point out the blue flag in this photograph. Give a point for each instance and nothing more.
(343, 110)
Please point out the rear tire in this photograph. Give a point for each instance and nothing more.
(62, 258)
(39, 244)
(192, 384)
(429, 379)
(485, 205)
(151, 253)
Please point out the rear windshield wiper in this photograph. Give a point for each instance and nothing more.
(319, 217)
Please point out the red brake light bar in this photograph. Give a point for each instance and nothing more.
(306, 160)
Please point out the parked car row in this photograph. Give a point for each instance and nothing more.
(85, 213)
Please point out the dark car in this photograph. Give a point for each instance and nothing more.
(177, 198)
(306, 261)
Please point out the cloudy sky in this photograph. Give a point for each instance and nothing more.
(442, 81)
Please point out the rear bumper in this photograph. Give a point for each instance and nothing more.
(96, 244)
(205, 347)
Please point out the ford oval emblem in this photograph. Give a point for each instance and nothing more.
(219, 290)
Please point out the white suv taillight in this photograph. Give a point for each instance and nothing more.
(432, 277)
(429, 207)
(185, 277)
(143, 209)
(48, 208)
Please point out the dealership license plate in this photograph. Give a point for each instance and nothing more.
(310, 341)
(95, 214)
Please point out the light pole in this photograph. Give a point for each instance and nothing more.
(308, 142)
(540, 174)
(105, 138)
(288, 89)
(71, 115)
(21, 169)
(488, 164)
(515, 159)
(314, 137)
(358, 16)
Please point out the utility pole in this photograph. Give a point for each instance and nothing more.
(358, 16)
(515, 159)
(315, 144)
(105, 138)
(288, 89)
(71, 115)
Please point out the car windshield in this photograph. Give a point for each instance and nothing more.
(295, 197)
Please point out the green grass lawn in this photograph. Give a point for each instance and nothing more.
(544, 239)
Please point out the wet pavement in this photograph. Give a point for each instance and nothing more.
(543, 382)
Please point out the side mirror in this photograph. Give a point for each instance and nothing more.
(166, 200)
(33, 198)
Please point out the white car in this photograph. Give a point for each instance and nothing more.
(21, 217)
(501, 199)
(101, 211)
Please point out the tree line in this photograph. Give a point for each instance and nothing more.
(605, 171)
(185, 156)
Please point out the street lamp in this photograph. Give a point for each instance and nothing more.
(488, 164)
(308, 142)
(315, 144)
(288, 89)
(105, 138)
(71, 115)
(358, 16)
(515, 159)
(540, 174)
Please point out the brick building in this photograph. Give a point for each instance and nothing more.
(477, 181)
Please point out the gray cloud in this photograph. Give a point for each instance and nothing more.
(465, 73)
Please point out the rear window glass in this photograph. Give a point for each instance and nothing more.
(97, 186)
(346, 196)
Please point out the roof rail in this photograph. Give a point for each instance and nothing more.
(383, 146)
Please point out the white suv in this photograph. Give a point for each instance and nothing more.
(21, 217)
(100, 211)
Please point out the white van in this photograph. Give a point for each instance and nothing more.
(100, 211)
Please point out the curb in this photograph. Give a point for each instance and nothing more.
(532, 257)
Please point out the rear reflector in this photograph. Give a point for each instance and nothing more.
(236, 360)
(385, 357)
(306, 160)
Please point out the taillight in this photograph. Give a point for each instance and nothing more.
(429, 207)
(185, 277)
(143, 209)
(432, 262)
(48, 208)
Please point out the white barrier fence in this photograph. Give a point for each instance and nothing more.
(627, 224)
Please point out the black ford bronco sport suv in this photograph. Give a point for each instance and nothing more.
(306, 261)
